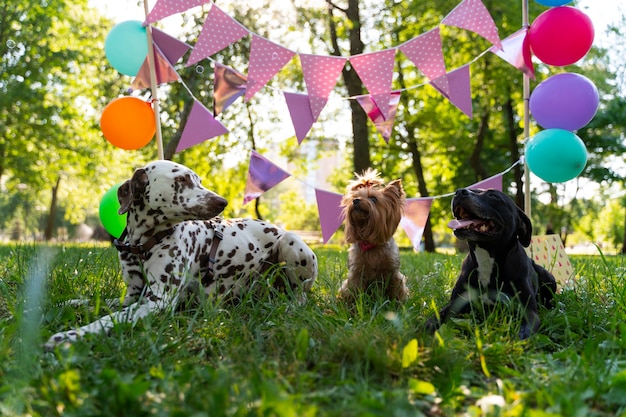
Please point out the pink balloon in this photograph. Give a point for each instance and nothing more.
(564, 101)
(561, 35)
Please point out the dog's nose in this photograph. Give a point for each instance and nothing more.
(462, 191)
(356, 201)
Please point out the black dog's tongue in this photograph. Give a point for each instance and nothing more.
(462, 224)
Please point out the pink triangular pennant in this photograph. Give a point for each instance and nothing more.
(376, 71)
(414, 219)
(229, 85)
(165, 8)
(172, 48)
(426, 52)
(200, 126)
(262, 175)
(320, 75)
(516, 51)
(460, 88)
(266, 59)
(164, 71)
(474, 16)
(383, 125)
(330, 212)
(494, 182)
(300, 112)
(219, 31)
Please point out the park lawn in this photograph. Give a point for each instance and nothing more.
(273, 357)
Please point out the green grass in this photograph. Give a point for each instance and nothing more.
(272, 357)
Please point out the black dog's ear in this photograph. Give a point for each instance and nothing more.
(524, 228)
(131, 189)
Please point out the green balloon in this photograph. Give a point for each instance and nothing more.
(556, 155)
(113, 222)
(126, 47)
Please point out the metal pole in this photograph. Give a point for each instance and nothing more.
(153, 85)
(526, 92)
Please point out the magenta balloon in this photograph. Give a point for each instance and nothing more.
(564, 101)
(561, 35)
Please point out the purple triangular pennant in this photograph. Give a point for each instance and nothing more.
(330, 212)
(460, 88)
(300, 112)
(200, 126)
(262, 175)
(414, 219)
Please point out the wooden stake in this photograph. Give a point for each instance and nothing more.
(153, 85)
(526, 93)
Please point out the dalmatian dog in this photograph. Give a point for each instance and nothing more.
(173, 242)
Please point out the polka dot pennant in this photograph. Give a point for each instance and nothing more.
(266, 59)
(376, 71)
(426, 52)
(219, 31)
(165, 8)
(473, 15)
(549, 252)
(320, 75)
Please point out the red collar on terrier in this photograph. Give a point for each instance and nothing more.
(365, 246)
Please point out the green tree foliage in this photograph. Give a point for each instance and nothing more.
(54, 81)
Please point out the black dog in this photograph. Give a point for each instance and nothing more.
(497, 266)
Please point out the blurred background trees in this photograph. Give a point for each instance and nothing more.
(55, 81)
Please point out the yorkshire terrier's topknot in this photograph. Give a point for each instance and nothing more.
(372, 211)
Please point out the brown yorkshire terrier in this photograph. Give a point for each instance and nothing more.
(372, 212)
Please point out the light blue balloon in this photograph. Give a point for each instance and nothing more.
(553, 3)
(556, 155)
(126, 46)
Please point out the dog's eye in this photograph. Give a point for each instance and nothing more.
(373, 200)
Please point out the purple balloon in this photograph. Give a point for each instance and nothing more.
(565, 101)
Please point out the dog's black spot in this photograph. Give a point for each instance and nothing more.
(232, 253)
(241, 226)
(303, 262)
(268, 245)
(249, 257)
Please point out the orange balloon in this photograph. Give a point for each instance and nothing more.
(128, 123)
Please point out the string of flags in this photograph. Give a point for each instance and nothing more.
(263, 175)
(320, 72)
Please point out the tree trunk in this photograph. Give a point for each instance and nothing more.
(514, 149)
(474, 160)
(624, 240)
(50, 222)
(170, 146)
(360, 132)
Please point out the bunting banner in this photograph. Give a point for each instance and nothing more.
(167, 51)
(383, 125)
(426, 52)
(200, 126)
(228, 86)
(262, 175)
(472, 15)
(163, 69)
(330, 212)
(172, 48)
(320, 75)
(266, 59)
(414, 219)
(321, 72)
(459, 85)
(218, 31)
(549, 252)
(301, 115)
(516, 51)
(376, 72)
(165, 8)
(494, 182)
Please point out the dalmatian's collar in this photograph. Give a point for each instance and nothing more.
(142, 250)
